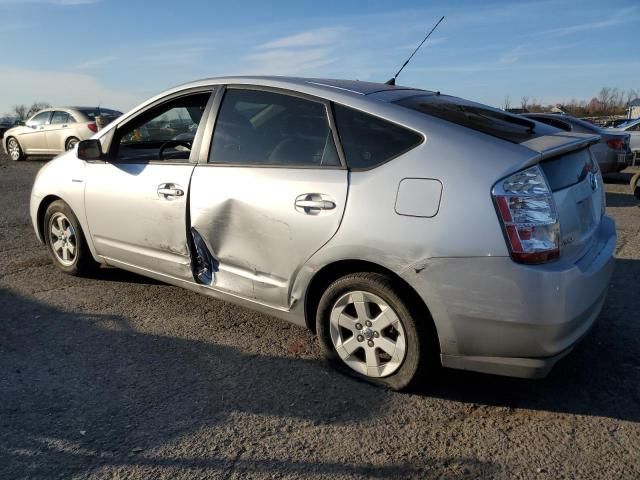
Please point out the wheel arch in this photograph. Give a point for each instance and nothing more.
(42, 208)
(332, 271)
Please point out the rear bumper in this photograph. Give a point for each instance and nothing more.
(616, 161)
(496, 316)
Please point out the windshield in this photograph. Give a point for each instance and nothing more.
(629, 123)
(471, 115)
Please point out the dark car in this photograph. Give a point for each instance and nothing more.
(613, 152)
(6, 123)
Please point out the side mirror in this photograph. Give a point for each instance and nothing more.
(90, 149)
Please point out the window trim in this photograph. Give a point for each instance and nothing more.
(205, 159)
(113, 134)
(399, 154)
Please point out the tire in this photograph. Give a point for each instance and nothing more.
(65, 240)
(393, 356)
(635, 185)
(14, 150)
(70, 143)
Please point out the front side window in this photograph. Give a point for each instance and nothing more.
(165, 132)
(369, 141)
(59, 118)
(266, 128)
(41, 118)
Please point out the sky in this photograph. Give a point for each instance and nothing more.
(117, 53)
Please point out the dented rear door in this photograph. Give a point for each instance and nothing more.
(272, 193)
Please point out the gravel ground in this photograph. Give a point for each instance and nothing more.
(119, 376)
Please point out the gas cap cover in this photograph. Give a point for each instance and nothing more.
(418, 197)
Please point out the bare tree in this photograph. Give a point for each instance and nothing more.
(507, 103)
(20, 111)
(524, 102)
(37, 106)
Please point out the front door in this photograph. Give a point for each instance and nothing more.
(136, 203)
(272, 193)
(33, 138)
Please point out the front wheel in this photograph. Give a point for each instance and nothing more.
(368, 330)
(14, 150)
(65, 240)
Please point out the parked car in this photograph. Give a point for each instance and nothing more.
(54, 130)
(405, 227)
(613, 152)
(632, 127)
(6, 123)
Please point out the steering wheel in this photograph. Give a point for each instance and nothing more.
(172, 143)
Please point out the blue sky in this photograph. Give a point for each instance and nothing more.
(121, 52)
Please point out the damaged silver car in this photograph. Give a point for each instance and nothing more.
(407, 228)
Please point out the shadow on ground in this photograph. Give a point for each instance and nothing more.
(82, 391)
(615, 199)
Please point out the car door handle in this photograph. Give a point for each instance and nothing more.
(316, 204)
(170, 190)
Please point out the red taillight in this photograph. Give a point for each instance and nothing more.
(616, 143)
(527, 212)
(93, 127)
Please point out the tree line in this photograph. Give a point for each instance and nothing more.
(608, 102)
(22, 111)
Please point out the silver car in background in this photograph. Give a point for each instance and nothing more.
(54, 130)
(612, 152)
(407, 228)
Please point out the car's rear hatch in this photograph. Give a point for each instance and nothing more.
(576, 183)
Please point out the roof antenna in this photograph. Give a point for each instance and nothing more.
(392, 81)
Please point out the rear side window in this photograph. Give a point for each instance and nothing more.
(369, 141)
(59, 117)
(496, 123)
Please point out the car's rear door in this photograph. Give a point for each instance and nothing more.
(55, 133)
(136, 202)
(272, 193)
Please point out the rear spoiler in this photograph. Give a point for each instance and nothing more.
(548, 146)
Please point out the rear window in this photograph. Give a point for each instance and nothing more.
(477, 117)
(105, 112)
(370, 141)
(569, 169)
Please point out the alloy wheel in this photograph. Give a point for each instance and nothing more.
(367, 334)
(63, 239)
(14, 149)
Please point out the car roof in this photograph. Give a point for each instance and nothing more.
(356, 87)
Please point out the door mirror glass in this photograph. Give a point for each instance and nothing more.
(89, 149)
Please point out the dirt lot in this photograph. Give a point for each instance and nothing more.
(121, 377)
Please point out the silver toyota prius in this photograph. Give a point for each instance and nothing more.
(407, 228)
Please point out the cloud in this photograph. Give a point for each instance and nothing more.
(309, 38)
(96, 62)
(625, 15)
(58, 88)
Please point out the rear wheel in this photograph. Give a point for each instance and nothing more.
(366, 329)
(71, 143)
(65, 240)
(14, 150)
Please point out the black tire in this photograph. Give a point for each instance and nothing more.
(15, 150)
(82, 262)
(70, 143)
(420, 336)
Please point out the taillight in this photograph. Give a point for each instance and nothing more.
(93, 127)
(528, 215)
(616, 143)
